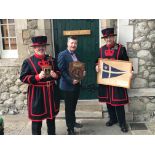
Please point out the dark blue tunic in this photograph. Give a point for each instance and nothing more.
(43, 95)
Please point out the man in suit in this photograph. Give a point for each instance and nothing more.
(114, 97)
(69, 86)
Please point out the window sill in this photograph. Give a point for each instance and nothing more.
(7, 62)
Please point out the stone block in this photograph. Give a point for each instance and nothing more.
(150, 107)
(141, 29)
(151, 37)
(4, 96)
(32, 24)
(139, 39)
(145, 45)
(151, 25)
(152, 77)
(139, 83)
(136, 47)
(144, 54)
(137, 106)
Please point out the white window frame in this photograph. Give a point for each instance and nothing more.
(8, 53)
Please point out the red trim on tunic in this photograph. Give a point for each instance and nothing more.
(33, 66)
(29, 101)
(115, 105)
(28, 79)
(119, 50)
(40, 84)
(25, 78)
(50, 103)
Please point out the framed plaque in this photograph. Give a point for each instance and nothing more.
(47, 70)
(76, 70)
(114, 73)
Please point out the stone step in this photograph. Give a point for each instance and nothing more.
(88, 109)
(85, 105)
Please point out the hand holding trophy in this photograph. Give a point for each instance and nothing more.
(41, 75)
(53, 74)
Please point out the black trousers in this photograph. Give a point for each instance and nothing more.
(71, 98)
(36, 127)
(117, 113)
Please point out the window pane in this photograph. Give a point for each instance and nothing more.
(13, 43)
(4, 21)
(10, 20)
(12, 30)
(4, 31)
(5, 43)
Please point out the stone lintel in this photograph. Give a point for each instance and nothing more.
(141, 92)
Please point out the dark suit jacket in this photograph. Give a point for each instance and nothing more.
(64, 58)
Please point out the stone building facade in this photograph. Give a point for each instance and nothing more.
(13, 97)
(137, 35)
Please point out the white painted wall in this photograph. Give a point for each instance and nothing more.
(125, 31)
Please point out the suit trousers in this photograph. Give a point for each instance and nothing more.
(71, 98)
(116, 113)
(36, 127)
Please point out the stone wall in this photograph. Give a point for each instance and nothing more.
(13, 97)
(143, 48)
(12, 91)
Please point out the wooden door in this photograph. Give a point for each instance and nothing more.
(88, 48)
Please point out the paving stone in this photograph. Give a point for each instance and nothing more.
(21, 125)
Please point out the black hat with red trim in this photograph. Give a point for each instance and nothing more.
(108, 32)
(39, 41)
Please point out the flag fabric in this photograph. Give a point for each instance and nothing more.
(114, 73)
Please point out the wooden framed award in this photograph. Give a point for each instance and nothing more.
(76, 70)
(114, 73)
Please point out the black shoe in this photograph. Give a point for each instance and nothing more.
(124, 128)
(71, 132)
(110, 123)
(78, 125)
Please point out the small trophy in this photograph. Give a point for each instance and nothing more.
(47, 70)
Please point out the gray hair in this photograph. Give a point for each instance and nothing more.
(71, 37)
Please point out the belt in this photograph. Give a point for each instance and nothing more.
(40, 84)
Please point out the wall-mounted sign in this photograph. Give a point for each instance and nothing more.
(76, 32)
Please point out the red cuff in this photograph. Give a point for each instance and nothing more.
(37, 77)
